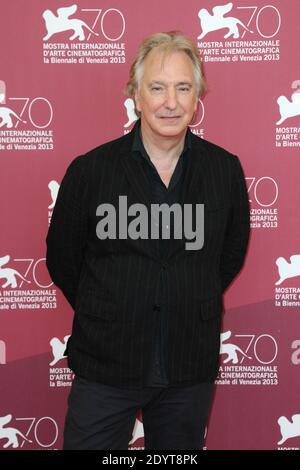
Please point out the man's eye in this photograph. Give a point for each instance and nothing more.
(183, 88)
(156, 88)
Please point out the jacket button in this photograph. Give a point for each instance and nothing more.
(156, 307)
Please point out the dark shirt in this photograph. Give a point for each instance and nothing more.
(160, 194)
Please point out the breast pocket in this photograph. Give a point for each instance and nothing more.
(215, 209)
(215, 221)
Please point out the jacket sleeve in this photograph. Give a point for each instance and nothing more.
(67, 233)
(238, 228)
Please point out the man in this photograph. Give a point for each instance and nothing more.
(148, 303)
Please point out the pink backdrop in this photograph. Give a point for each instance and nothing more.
(60, 97)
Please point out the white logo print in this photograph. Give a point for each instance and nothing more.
(286, 269)
(217, 21)
(63, 22)
(58, 349)
(6, 114)
(288, 428)
(36, 112)
(230, 349)
(9, 274)
(53, 187)
(2, 92)
(288, 109)
(2, 352)
(132, 117)
(138, 431)
(11, 434)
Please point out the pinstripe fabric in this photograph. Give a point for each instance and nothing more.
(111, 283)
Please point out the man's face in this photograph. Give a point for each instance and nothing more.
(167, 97)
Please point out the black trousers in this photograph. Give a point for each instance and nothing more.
(103, 417)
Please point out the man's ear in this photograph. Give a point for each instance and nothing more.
(196, 104)
(137, 101)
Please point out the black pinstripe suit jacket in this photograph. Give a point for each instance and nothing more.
(111, 283)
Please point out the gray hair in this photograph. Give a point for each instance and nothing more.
(172, 41)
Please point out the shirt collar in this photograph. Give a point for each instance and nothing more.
(139, 149)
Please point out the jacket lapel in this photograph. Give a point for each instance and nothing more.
(192, 188)
(194, 172)
(134, 171)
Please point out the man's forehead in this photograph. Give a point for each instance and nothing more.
(162, 55)
(158, 61)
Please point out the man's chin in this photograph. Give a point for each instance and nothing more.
(171, 125)
(171, 130)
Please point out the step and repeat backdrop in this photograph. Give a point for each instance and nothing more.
(64, 67)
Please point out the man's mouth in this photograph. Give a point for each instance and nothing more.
(169, 117)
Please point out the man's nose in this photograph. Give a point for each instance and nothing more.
(171, 99)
